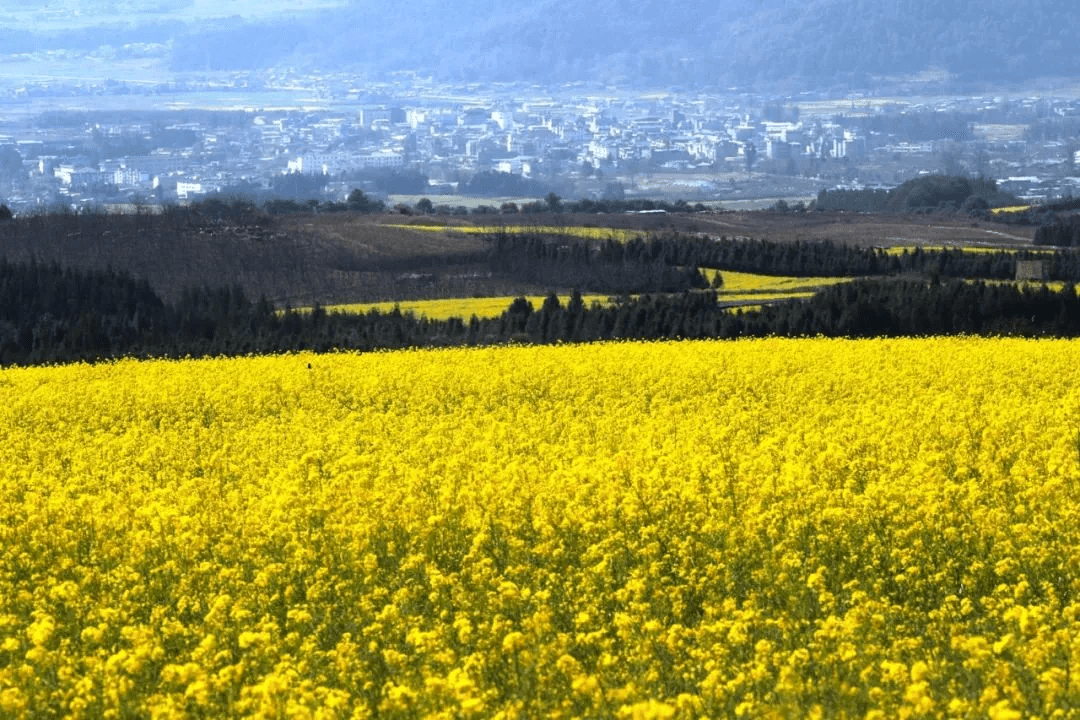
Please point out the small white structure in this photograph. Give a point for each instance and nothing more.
(184, 190)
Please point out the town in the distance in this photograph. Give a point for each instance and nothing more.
(285, 135)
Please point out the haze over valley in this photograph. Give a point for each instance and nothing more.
(751, 44)
(748, 101)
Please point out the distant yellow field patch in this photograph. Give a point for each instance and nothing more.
(740, 282)
(589, 233)
(1052, 285)
(1011, 209)
(758, 297)
(463, 308)
(901, 249)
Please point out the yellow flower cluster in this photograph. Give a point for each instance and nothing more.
(464, 308)
(580, 231)
(746, 283)
(760, 529)
(984, 249)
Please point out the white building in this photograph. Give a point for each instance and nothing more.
(504, 120)
(381, 159)
(335, 163)
(601, 150)
(72, 176)
(131, 177)
(516, 166)
(184, 190)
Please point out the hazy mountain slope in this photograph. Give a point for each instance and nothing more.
(737, 42)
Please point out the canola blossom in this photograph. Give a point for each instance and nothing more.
(974, 249)
(580, 231)
(759, 529)
(742, 283)
(745, 288)
(464, 308)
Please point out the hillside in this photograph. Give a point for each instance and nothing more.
(743, 42)
(767, 44)
(345, 257)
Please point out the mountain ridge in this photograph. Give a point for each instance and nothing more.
(745, 43)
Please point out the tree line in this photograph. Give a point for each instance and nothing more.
(1063, 233)
(638, 266)
(930, 192)
(286, 203)
(819, 258)
(49, 314)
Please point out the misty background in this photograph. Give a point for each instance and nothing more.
(750, 44)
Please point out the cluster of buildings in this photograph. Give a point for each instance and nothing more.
(575, 141)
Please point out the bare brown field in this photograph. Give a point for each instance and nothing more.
(349, 258)
(866, 229)
(352, 258)
(375, 236)
(646, 223)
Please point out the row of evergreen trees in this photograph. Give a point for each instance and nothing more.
(49, 314)
(802, 259)
(930, 192)
(1065, 233)
(612, 267)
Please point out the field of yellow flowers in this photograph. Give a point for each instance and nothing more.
(464, 308)
(769, 528)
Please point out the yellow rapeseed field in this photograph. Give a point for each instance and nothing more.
(976, 249)
(580, 231)
(742, 282)
(464, 308)
(759, 529)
